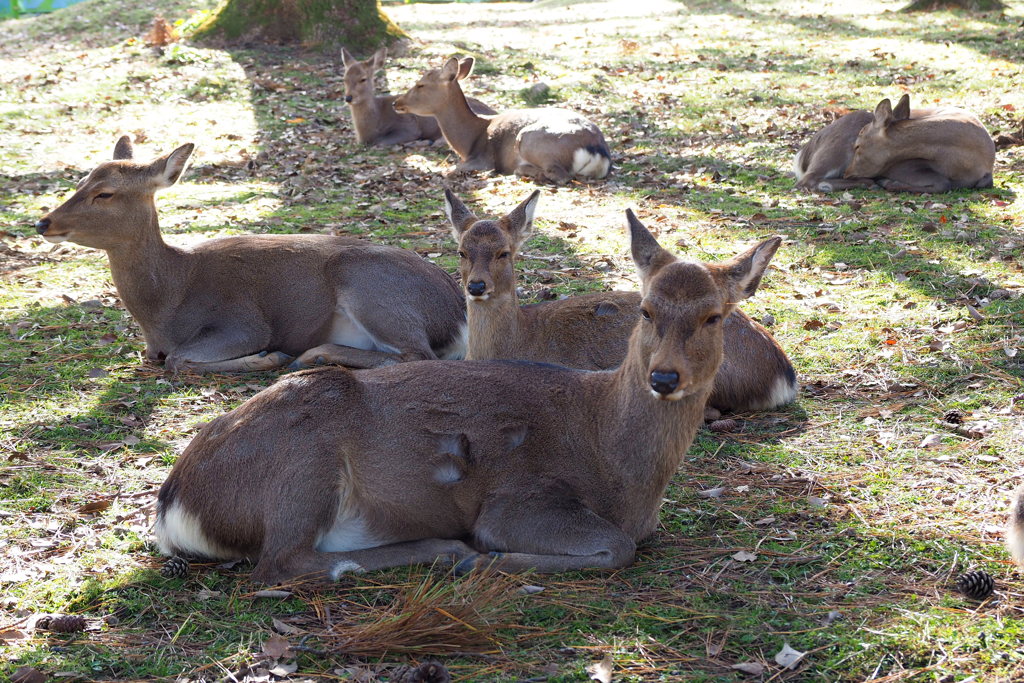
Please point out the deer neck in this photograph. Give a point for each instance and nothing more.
(463, 130)
(494, 328)
(645, 438)
(146, 270)
(369, 118)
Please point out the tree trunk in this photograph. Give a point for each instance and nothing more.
(359, 25)
(969, 5)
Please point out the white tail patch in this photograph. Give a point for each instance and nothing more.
(1015, 527)
(179, 533)
(459, 345)
(783, 392)
(798, 171)
(589, 164)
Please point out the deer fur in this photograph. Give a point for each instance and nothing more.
(1015, 527)
(590, 331)
(903, 150)
(253, 302)
(553, 145)
(531, 466)
(374, 118)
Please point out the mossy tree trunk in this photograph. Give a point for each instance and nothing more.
(969, 5)
(359, 25)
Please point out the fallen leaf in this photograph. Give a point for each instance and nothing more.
(764, 520)
(131, 440)
(277, 647)
(283, 670)
(813, 324)
(530, 590)
(787, 657)
(816, 502)
(744, 556)
(95, 506)
(833, 615)
(602, 671)
(272, 594)
(26, 674)
(931, 440)
(752, 668)
(712, 493)
(283, 628)
(12, 634)
(97, 372)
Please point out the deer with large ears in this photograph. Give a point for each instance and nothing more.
(374, 117)
(531, 466)
(590, 331)
(252, 302)
(553, 145)
(901, 149)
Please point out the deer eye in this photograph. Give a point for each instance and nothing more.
(104, 195)
(362, 80)
(645, 314)
(462, 254)
(713, 320)
(503, 254)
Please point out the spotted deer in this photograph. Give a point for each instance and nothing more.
(529, 466)
(374, 118)
(546, 144)
(901, 149)
(253, 302)
(590, 331)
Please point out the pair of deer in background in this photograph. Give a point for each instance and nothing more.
(898, 149)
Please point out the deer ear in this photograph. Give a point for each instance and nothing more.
(883, 113)
(123, 148)
(648, 255)
(466, 67)
(743, 273)
(347, 59)
(459, 216)
(450, 70)
(519, 222)
(167, 169)
(378, 58)
(902, 110)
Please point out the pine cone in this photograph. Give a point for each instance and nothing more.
(431, 671)
(977, 585)
(953, 416)
(62, 623)
(174, 568)
(727, 425)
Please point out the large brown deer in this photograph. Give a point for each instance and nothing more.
(253, 302)
(590, 331)
(549, 144)
(374, 117)
(531, 465)
(903, 150)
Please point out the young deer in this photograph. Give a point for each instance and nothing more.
(529, 465)
(375, 120)
(903, 150)
(556, 145)
(252, 302)
(590, 331)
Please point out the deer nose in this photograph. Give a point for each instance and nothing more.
(42, 225)
(476, 288)
(664, 382)
(348, 98)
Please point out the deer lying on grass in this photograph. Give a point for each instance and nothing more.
(375, 120)
(903, 150)
(252, 302)
(530, 465)
(1015, 527)
(555, 145)
(590, 331)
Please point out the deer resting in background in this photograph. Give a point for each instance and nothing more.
(590, 331)
(903, 150)
(252, 302)
(374, 118)
(546, 144)
(533, 466)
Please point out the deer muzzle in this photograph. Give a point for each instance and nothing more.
(664, 383)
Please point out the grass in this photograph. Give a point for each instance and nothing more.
(858, 530)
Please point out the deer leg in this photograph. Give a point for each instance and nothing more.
(833, 184)
(257, 362)
(915, 175)
(226, 350)
(546, 533)
(291, 563)
(351, 357)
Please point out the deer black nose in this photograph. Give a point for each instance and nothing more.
(664, 382)
(476, 288)
(348, 98)
(42, 225)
